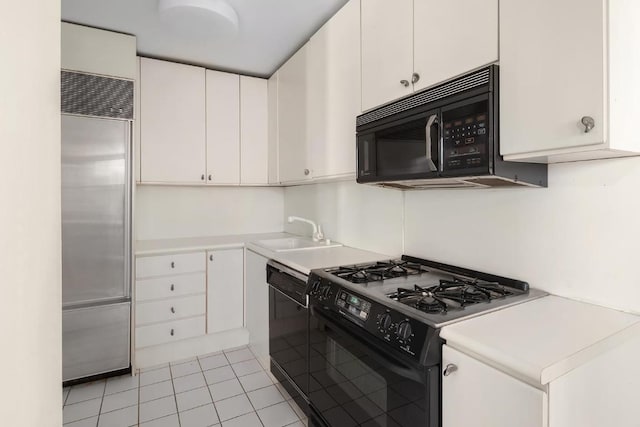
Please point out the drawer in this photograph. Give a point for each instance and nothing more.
(170, 309)
(170, 286)
(170, 264)
(170, 331)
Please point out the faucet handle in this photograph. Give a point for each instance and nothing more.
(320, 234)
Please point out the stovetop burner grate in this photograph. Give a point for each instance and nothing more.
(377, 271)
(449, 295)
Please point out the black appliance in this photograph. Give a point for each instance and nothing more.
(445, 136)
(374, 345)
(288, 330)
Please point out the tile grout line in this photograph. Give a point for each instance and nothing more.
(175, 398)
(139, 391)
(104, 389)
(208, 390)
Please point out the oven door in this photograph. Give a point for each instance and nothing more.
(408, 148)
(354, 382)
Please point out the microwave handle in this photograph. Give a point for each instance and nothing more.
(433, 119)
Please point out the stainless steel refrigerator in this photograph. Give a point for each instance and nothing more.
(96, 224)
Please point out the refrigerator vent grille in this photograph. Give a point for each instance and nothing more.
(90, 95)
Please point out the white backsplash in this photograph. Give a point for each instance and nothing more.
(169, 212)
(355, 215)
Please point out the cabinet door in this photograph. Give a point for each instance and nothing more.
(172, 122)
(225, 290)
(254, 131)
(478, 395)
(333, 70)
(292, 119)
(387, 50)
(223, 128)
(272, 88)
(439, 55)
(258, 305)
(551, 74)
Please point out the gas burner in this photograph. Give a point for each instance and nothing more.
(455, 294)
(381, 270)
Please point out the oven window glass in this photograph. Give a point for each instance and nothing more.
(402, 150)
(350, 386)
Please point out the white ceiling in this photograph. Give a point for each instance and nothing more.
(270, 31)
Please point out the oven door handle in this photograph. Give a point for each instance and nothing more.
(391, 364)
(306, 297)
(433, 120)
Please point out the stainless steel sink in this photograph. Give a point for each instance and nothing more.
(294, 244)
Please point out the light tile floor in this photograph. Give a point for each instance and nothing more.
(224, 389)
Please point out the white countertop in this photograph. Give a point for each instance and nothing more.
(541, 340)
(303, 260)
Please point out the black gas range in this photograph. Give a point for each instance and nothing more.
(374, 337)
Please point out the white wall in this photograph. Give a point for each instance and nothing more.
(31, 354)
(578, 238)
(169, 212)
(356, 215)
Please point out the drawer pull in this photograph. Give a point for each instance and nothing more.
(173, 264)
(173, 310)
(450, 369)
(210, 257)
(172, 287)
(172, 332)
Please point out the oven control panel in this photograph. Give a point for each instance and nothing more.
(394, 328)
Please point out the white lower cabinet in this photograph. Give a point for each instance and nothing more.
(225, 290)
(478, 395)
(257, 305)
(167, 332)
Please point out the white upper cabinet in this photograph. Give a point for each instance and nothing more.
(292, 119)
(562, 63)
(333, 94)
(254, 130)
(387, 50)
(452, 37)
(272, 95)
(172, 122)
(409, 45)
(223, 128)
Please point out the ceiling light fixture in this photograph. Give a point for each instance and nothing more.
(200, 18)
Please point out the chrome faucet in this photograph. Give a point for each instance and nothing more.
(317, 235)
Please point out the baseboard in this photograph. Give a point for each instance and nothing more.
(197, 346)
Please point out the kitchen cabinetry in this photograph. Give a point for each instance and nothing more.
(507, 402)
(254, 131)
(223, 128)
(409, 45)
(257, 305)
(549, 362)
(272, 116)
(172, 122)
(293, 161)
(225, 290)
(333, 94)
(559, 103)
(170, 298)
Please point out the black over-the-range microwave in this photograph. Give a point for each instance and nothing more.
(444, 136)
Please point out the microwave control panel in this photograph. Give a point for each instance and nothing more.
(465, 142)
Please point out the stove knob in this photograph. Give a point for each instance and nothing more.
(385, 321)
(404, 330)
(315, 286)
(326, 291)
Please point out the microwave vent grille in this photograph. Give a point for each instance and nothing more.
(462, 84)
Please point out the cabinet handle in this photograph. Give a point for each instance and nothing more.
(173, 264)
(307, 171)
(173, 310)
(210, 257)
(172, 332)
(450, 369)
(172, 287)
(404, 83)
(588, 122)
(202, 177)
(209, 177)
(415, 78)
